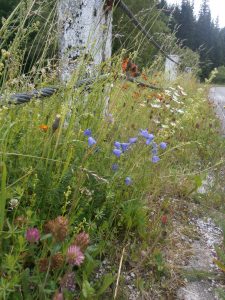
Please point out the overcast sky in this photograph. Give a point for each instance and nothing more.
(217, 8)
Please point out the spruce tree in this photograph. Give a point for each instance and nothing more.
(186, 31)
(6, 7)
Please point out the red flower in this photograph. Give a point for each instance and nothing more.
(164, 219)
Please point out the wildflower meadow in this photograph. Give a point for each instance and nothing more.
(75, 195)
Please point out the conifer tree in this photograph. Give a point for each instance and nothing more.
(186, 31)
(6, 6)
(200, 33)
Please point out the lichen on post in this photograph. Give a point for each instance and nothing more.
(85, 28)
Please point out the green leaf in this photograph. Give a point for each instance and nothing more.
(220, 265)
(3, 174)
(108, 279)
(46, 236)
(87, 290)
(90, 265)
(198, 181)
(25, 282)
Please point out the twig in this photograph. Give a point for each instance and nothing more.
(139, 83)
(119, 272)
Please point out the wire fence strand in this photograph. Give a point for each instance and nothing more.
(141, 28)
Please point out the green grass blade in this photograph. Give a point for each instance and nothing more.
(2, 194)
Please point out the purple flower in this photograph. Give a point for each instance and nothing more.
(155, 159)
(148, 141)
(115, 167)
(154, 145)
(117, 145)
(144, 133)
(117, 152)
(125, 146)
(133, 140)
(154, 151)
(91, 141)
(147, 135)
(128, 181)
(87, 132)
(74, 256)
(32, 235)
(151, 136)
(163, 145)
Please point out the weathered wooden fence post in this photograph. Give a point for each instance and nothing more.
(171, 67)
(85, 27)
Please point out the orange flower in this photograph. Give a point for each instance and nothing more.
(43, 127)
(136, 95)
(125, 86)
(159, 96)
(144, 76)
(125, 64)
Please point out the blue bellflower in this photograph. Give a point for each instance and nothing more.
(117, 152)
(133, 140)
(144, 133)
(150, 139)
(148, 136)
(154, 151)
(154, 145)
(163, 145)
(87, 132)
(91, 141)
(154, 148)
(117, 145)
(128, 181)
(155, 159)
(115, 167)
(125, 146)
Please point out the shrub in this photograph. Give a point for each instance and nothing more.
(220, 76)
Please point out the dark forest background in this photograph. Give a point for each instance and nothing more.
(199, 33)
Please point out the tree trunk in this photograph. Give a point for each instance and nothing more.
(85, 28)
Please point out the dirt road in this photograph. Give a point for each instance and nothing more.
(217, 96)
(209, 235)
